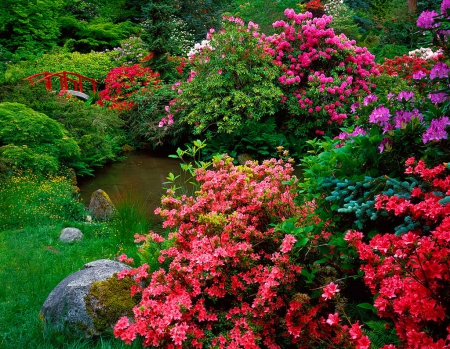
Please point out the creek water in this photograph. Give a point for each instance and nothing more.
(140, 173)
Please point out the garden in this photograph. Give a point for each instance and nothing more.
(240, 253)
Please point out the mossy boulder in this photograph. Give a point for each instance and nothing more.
(65, 308)
(108, 301)
(101, 206)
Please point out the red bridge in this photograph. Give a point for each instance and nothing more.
(75, 80)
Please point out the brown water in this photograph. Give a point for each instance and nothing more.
(140, 173)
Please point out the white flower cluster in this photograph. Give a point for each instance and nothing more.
(182, 39)
(198, 47)
(335, 7)
(425, 53)
(131, 51)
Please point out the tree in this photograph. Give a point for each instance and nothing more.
(29, 26)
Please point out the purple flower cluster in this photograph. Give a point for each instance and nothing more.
(436, 131)
(444, 6)
(426, 20)
(358, 131)
(440, 70)
(380, 116)
(438, 97)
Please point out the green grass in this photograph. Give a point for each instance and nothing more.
(33, 260)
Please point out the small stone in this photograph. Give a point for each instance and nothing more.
(71, 235)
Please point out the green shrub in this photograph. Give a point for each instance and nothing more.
(259, 140)
(95, 35)
(231, 81)
(142, 121)
(96, 130)
(94, 65)
(25, 134)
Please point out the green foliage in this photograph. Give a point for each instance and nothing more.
(186, 182)
(93, 65)
(27, 200)
(390, 84)
(96, 130)
(130, 217)
(109, 300)
(343, 19)
(201, 15)
(157, 28)
(231, 82)
(119, 11)
(5, 59)
(399, 25)
(142, 121)
(131, 51)
(96, 35)
(25, 134)
(257, 139)
(29, 27)
(389, 51)
(263, 12)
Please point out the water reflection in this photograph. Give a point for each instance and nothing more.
(140, 173)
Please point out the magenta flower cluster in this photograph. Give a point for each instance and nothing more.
(341, 69)
(426, 20)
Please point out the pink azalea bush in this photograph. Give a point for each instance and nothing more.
(409, 275)
(232, 279)
(323, 73)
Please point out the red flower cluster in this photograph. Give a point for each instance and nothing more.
(123, 82)
(410, 274)
(405, 66)
(232, 278)
(314, 5)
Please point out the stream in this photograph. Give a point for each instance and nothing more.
(140, 173)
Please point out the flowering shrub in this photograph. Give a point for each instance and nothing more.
(323, 72)
(123, 82)
(409, 274)
(231, 80)
(343, 21)
(407, 65)
(231, 281)
(131, 51)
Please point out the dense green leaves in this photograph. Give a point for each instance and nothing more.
(31, 140)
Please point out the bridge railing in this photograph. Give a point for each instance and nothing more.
(65, 78)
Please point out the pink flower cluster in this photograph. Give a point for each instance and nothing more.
(410, 274)
(322, 71)
(231, 282)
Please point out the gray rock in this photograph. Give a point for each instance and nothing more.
(65, 308)
(101, 206)
(71, 235)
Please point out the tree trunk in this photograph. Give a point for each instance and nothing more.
(412, 6)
